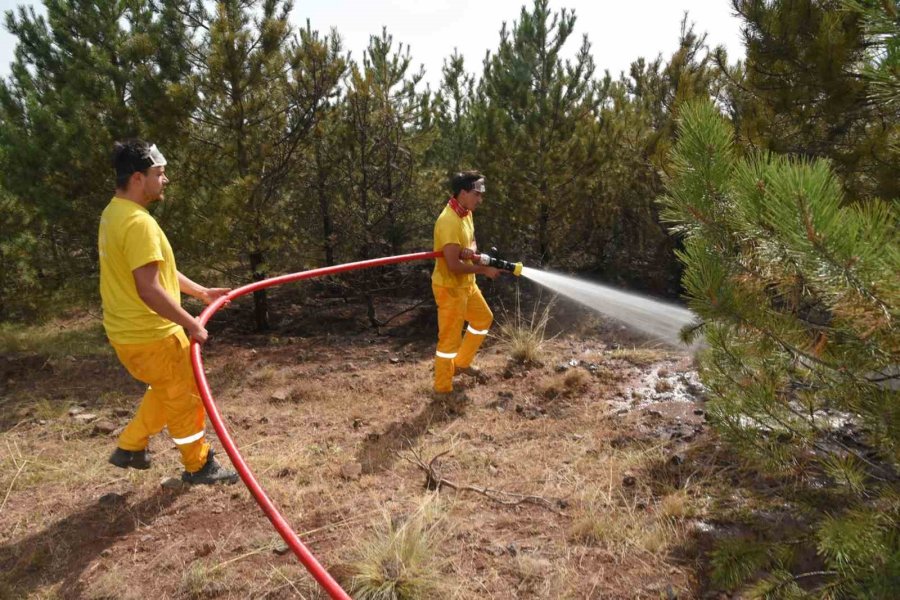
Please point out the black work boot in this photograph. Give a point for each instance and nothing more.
(212, 472)
(137, 459)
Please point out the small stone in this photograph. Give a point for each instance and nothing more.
(676, 459)
(351, 470)
(285, 473)
(104, 427)
(279, 396)
(172, 483)
(122, 412)
(105, 552)
(561, 368)
(85, 417)
(629, 481)
(111, 500)
(394, 360)
(281, 550)
(75, 410)
(699, 412)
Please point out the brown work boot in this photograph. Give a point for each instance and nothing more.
(474, 372)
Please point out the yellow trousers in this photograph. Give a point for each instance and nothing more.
(455, 307)
(171, 400)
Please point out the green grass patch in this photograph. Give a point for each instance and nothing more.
(55, 339)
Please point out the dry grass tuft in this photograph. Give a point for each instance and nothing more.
(523, 337)
(677, 506)
(201, 580)
(639, 357)
(400, 561)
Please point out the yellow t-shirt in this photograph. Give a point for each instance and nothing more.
(450, 228)
(129, 238)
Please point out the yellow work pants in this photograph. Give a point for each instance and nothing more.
(455, 307)
(171, 400)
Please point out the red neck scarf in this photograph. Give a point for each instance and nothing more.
(458, 208)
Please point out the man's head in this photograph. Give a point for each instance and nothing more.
(468, 188)
(140, 170)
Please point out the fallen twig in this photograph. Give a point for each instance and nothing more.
(434, 481)
(11, 484)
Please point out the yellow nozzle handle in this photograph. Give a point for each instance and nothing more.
(517, 269)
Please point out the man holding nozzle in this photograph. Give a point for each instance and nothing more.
(453, 281)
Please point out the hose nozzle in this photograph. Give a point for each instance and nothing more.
(499, 263)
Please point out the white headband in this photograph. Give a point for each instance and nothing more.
(156, 158)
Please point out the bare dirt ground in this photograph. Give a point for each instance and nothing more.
(588, 475)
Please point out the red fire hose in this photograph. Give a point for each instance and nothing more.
(293, 541)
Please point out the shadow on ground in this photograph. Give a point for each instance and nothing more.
(61, 552)
(379, 450)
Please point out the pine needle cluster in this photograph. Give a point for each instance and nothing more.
(800, 299)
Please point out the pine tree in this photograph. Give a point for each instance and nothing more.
(536, 129)
(87, 74)
(18, 272)
(800, 91)
(262, 94)
(637, 123)
(799, 302)
(454, 148)
(881, 24)
(382, 149)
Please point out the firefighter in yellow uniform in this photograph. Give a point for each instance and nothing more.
(141, 287)
(457, 295)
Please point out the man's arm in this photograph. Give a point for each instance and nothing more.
(191, 288)
(452, 256)
(146, 280)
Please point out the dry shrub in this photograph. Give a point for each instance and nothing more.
(620, 524)
(523, 337)
(663, 386)
(400, 559)
(677, 506)
(203, 581)
(639, 357)
(570, 384)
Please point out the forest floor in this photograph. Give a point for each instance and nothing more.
(588, 474)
